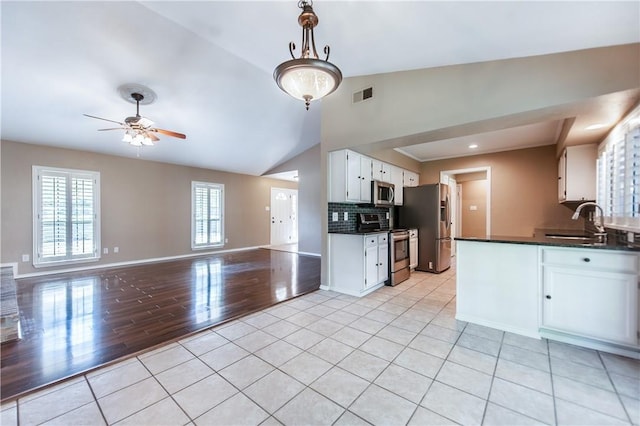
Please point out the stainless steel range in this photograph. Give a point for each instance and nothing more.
(399, 256)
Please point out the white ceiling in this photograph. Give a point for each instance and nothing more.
(211, 64)
(539, 134)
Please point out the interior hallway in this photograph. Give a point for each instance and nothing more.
(394, 357)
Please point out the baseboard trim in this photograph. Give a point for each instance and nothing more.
(126, 263)
(500, 326)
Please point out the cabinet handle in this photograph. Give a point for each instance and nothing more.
(586, 259)
(548, 296)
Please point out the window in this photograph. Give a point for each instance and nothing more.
(66, 220)
(619, 176)
(207, 206)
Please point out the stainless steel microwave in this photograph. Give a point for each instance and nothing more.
(382, 193)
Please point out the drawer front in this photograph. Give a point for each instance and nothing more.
(371, 241)
(592, 259)
(383, 239)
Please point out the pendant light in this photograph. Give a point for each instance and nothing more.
(308, 77)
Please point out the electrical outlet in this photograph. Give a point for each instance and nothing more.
(25, 257)
(105, 250)
(116, 249)
(267, 208)
(346, 216)
(334, 216)
(387, 215)
(226, 240)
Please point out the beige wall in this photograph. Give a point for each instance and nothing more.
(474, 222)
(145, 205)
(523, 189)
(430, 104)
(309, 185)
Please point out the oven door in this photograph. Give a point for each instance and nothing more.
(399, 251)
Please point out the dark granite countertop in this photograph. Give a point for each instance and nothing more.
(542, 240)
(359, 232)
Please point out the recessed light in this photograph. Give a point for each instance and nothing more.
(596, 126)
(473, 146)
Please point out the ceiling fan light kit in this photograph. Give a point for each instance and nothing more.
(307, 78)
(138, 130)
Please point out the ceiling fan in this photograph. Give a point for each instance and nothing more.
(139, 130)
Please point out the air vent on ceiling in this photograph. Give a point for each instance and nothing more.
(363, 95)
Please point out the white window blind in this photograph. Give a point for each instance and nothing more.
(619, 177)
(207, 227)
(66, 225)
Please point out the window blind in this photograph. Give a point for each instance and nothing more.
(66, 225)
(207, 212)
(619, 175)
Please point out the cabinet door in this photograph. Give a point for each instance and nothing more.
(410, 178)
(376, 169)
(365, 181)
(386, 173)
(383, 262)
(396, 179)
(354, 178)
(562, 177)
(371, 266)
(595, 304)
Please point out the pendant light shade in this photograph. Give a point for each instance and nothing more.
(307, 78)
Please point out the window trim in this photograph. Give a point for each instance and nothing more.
(614, 188)
(208, 185)
(36, 199)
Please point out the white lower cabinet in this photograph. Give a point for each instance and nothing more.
(590, 293)
(359, 264)
(497, 286)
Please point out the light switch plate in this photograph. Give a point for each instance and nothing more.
(25, 257)
(473, 208)
(334, 216)
(346, 215)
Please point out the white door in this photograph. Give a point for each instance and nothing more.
(284, 216)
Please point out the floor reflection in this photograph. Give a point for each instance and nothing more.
(65, 311)
(208, 291)
(78, 321)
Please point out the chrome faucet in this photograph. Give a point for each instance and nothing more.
(601, 235)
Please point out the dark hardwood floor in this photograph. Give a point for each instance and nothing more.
(75, 322)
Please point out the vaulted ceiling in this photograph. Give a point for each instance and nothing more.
(211, 62)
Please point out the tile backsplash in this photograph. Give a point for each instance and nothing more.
(351, 224)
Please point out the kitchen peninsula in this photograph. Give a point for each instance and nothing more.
(565, 289)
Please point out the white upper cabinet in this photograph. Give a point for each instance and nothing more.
(381, 171)
(397, 180)
(577, 173)
(410, 178)
(350, 177)
(351, 174)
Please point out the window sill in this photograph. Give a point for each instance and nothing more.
(65, 262)
(197, 248)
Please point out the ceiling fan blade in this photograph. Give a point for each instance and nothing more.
(169, 133)
(105, 119)
(112, 128)
(153, 137)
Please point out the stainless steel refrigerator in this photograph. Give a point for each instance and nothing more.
(426, 207)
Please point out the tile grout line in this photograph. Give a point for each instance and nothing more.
(95, 399)
(615, 389)
(493, 377)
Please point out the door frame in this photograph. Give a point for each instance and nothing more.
(446, 173)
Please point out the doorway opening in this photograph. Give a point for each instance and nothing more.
(470, 202)
(284, 218)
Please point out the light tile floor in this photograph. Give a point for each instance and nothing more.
(395, 357)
